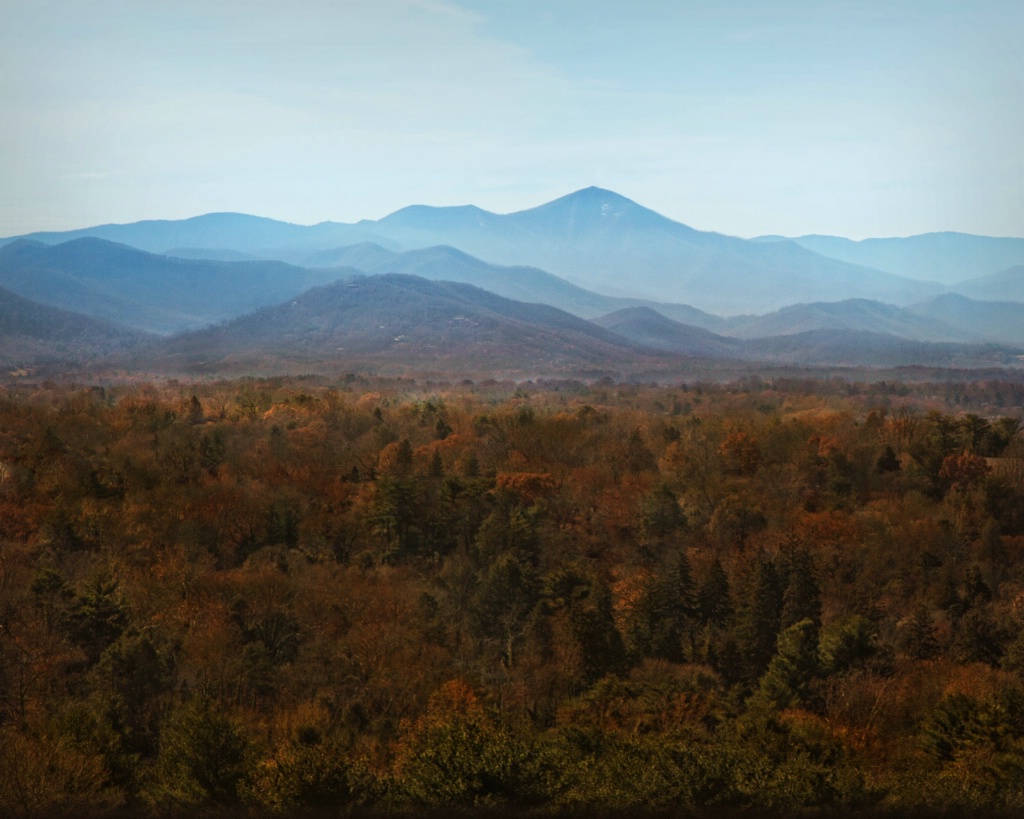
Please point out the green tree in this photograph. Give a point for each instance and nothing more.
(456, 754)
(802, 598)
(713, 597)
(919, 640)
(758, 615)
(791, 670)
(204, 756)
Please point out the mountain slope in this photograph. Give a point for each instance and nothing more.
(943, 257)
(860, 315)
(597, 239)
(866, 349)
(528, 284)
(650, 328)
(1005, 285)
(32, 334)
(398, 324)
(821, 346)
(405, 322)
(603, 241)
(147, 291)
(235, 231)
(997, 321)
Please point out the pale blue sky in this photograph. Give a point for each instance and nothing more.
(852, 117)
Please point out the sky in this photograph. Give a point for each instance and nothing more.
(749, 117)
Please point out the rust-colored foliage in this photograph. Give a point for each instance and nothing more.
(425, 595)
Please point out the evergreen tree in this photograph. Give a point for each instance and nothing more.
(920, 642)
(802, 598)
(661, 515)
(98, 617)
(795, 664)
(888, 461)
(594, 628)
(978, 640)
(436, 468)
(203, 756)
(758, 615)
(976, 590)
(661, 623)
(713, 597)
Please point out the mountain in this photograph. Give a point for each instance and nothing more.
(33, 335)
(866, 349)
(650, 328)
(942, 257)
(529, 284)
(997, 321)
(605, 242)
(399, 323)
(147, 291)
(218, 254)
(821, 346)
(1006, 285)
(235, 231)
(860, 315)
(595, 238)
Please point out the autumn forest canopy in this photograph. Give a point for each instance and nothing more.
(356, 594)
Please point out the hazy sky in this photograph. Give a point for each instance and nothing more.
(853, 117)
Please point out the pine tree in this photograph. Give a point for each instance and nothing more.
(758, 615)
(436, 468)
(919, 641)
(802, 598)
(715, 607)
(792, 668)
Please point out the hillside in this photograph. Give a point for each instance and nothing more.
(597, 239)
(650, 328)
(947, 258)
(400, 324)
(852, 314)
(34, 335)
(521, 283)
(403, 322)
(606, 242)
(867, 349)
(998, 321)
(147, 291)
(777, 340)
(1004, 285)
(236, 231)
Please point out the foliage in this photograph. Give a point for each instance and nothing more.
(304, 594)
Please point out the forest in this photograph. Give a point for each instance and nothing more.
(348, 595)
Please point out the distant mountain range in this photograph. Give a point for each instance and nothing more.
(162, 294)
(443, 263)
(947, 258)
(594, 238)
(652, 329)
(412, 288)
(818, 346)
(404, 322)
(147, 291)
(946, 318)
(395, 323)
(1006, 285)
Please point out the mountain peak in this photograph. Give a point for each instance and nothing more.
(432, 215)
(591, 197)
(593, 191)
